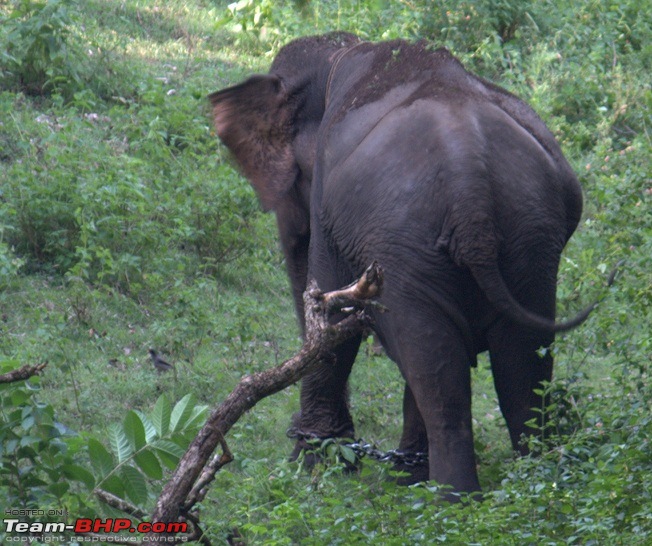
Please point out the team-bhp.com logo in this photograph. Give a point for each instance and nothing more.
(23, 531)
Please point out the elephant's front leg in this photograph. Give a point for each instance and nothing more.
(324, 400)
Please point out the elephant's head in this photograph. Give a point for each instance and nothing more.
(270, 122)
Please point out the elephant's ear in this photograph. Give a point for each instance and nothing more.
(254, 120)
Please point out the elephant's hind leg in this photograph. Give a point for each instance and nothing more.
(518, 369)
(437, 367)
(518, 363)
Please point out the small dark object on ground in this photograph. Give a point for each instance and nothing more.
(160, 364)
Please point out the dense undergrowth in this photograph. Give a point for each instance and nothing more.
(123, 227)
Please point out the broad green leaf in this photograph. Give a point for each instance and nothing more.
(149, 464)
(101, 459)
(161, 416)
(113, 484)
(19, 397)
(168, 452)
(182, 412)
(197, 417)
(59, 489)
(135, 484)
(29, 440)
(134, 430)
(78, 473)
(348, 454)
(120, 443)
(150, 429)
(9, 365)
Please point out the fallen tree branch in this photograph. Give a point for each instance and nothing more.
(189, 483)
(119, 504)
(22, 373)
(357, 294)
(208, 475)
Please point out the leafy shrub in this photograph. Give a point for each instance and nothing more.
(143, 446)
(46, 466)
(39, 457)
(111, 214)
(9, 264)
(38, 47)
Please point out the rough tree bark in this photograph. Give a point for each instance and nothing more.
(198, 466)
(22, 373)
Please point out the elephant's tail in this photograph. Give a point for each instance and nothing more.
(493, 285)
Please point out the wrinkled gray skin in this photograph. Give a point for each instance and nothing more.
(393, 152)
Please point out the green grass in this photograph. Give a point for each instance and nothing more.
(124, 227)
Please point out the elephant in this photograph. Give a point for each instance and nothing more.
(393, 152)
